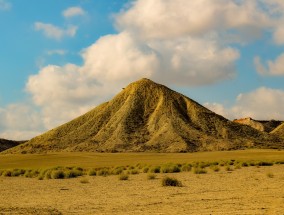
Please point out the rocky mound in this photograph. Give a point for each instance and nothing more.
(7, 144)
(146, 116)
(261, 125)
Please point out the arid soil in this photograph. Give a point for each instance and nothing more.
(248, 190)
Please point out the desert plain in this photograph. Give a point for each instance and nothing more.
(245, 190)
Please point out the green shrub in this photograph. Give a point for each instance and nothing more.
(215, 168)
(186, 168)
(170, 168)
(103, 172)
(92, 172)
(145, 169)
(155, 169)
(167, 181)
(57, 174)
(84, 181)
(18, 172)
(134, 172)
(151, 176)
(198, 170)
(7, 173)
(228, 168)
(123, 177)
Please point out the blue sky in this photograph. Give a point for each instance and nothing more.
(59, 59)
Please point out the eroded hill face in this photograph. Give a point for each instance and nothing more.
(146, 116)
(261, 125)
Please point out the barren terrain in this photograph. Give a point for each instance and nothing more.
(250, 190)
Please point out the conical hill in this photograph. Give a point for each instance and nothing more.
(146, 116)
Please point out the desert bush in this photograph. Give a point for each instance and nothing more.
(134, 172)
(151, 176)
(72, 173)
(244, 164)
(1, 172)
(215, 168)
(265, 163)
(103, 172)
(238, 166)
(84, 181)
(57, 174)
(7, 173)
(270, 175)
(117, 170)
(186, 168)
(198, 170)
(31, 173)
(228, 168)
(167, 181)
(123, 177)
(145, 169)
(18, 172)
(170, 168)
(156, 169)
(92, 172)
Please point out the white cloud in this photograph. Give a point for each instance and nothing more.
(274, 68)
(168, 19)
(5, 5)
(20, 122)
(56, 52)
(54, 32)
(73, 11)
(262, 103)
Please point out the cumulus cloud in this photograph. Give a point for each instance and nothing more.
(20, 122)
(54, 32)
(263, 103)
(73, 11)
(274, 68)
(5, 5)
(168, 19)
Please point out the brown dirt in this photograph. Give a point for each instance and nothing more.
(244, 191)
(147, 116)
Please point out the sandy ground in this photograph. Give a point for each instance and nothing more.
(244, 191)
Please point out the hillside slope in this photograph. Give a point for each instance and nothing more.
(146, 116)
(279, 131)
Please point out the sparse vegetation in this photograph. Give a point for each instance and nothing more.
(198, 170)
(123, 177)
(173, 182)
(151, 176)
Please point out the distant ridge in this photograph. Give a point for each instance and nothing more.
(7, 144)
(261, 125)
(146, 116)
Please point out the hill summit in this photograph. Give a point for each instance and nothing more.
(146, 116)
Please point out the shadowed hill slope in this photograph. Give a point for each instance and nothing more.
(261, 125)
(7, 144)
(279, 131)
(147, 116)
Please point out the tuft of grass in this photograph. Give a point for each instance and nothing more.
(123, 177)
(186, 168)
(198, 170)
(57, 174)
(228, 168)
(151, 176)
(173, 182)
(156, 169)
(170, 168)
(270, 175)
(215, 168)
(84, 181)
(134, 172)
(92, 172)
(146, 169)
(103, 172)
